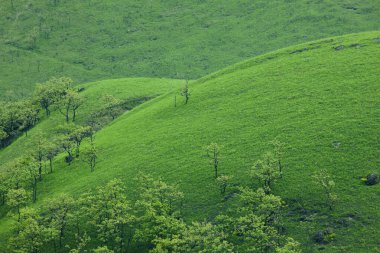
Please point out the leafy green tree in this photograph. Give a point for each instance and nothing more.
(70, 102)
(213, 151)
(82, 242)
(198, 237)
(17, 198)
(112, 106)
(33, 172)
(157, 209)
(4, 186)
(3, 137)
(29, 233)
(103, 249)
(29, 116)
(91, 156)
(223, 181)
(266, 171)
(40, 147)
(110, 213)
(52, 150)
(291, 246)
(78, 135)
(254, 225)
(324, 180)
(58, 215)
(185, 92)
(51, 92)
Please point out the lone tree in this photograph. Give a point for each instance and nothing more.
(213, 153)
(91, 156)
(266, 171)
(323, 179)
(186, 92)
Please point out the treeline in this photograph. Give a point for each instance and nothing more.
(19, 117)
(107, 219)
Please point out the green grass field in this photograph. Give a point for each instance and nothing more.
(320, 98)
(97, 40)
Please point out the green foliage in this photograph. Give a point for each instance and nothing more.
(197, 237)
(103, 249)
(185, 92)
(213, 151)
(112, 106)
(110, 214)
(30, 234)
(266, 171)
(223, 182)
(323, 179)
(91, 156)
(17, 198)
(58, 214)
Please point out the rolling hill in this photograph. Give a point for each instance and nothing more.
(97, 40)
(320, 98)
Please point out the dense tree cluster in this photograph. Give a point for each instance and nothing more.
(107, 219)
(20, 116)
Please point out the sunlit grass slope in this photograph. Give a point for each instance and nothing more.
(320, 98)
(96, 39)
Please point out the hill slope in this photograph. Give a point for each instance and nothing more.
(320, 98)
(96, 39)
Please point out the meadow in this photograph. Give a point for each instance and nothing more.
(320, 98)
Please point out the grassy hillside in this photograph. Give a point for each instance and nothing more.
(91, 40)
(320, 98)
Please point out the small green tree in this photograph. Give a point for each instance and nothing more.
(39, 152)
(266, 171)
(52, 150)
(112, 106)
(185, 92)
(223, 181)
(29, 234)
(110, 213)
(198, 237)
(323, 179)
(82, 242)
(91, 156)
(157, 209)
(213, 151)
(291, 246)
(70, 102)
(33, 172)
(78, 135)
(17, 198)
(103, 249)
(58, 214)
(51, 92)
